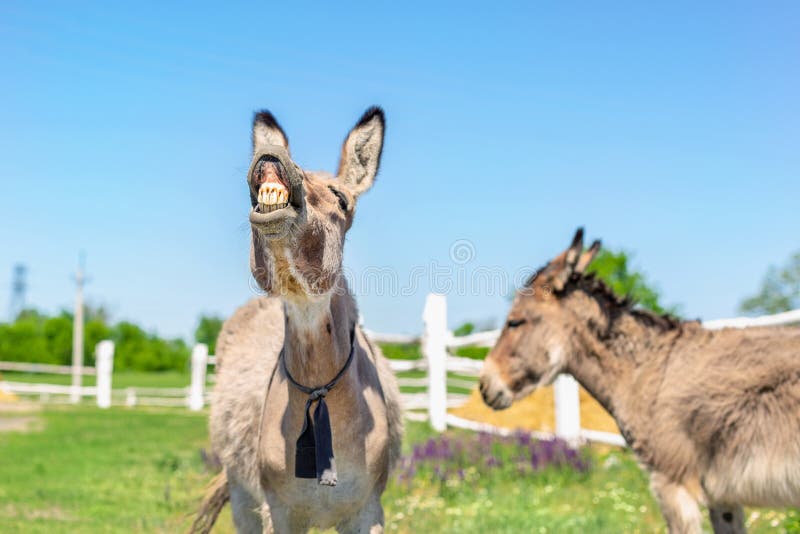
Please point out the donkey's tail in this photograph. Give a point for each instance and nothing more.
(216, 496)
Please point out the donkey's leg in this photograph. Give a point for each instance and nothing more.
(678, 506)
(727, 519)
(283, 519)
(266, 520)
(368, 520)
(245, 509)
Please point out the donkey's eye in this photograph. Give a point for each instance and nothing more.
(513, 323)
(340, 196)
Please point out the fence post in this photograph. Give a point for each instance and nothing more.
(199, 368)
(104, 365)
(434, 348)
(130, 397)
(568, 408)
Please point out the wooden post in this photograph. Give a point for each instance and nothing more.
(130, 397)
(104, 363)
(199, 366)
(568, 408)
(434, 348)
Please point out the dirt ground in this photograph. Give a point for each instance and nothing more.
(16, 416)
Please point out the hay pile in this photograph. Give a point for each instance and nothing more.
(535, 412)
(6, 397)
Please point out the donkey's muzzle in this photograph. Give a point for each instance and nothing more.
(495, 393)
(276, 191)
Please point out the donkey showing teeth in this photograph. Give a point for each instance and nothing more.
(305, 417)
(714, 416)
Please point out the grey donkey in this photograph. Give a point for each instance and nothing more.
(304, 335)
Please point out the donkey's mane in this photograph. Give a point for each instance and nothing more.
(598, 289)
(616, 306)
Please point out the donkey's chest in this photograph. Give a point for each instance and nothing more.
(360, 447)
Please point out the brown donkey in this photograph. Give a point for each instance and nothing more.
(305, 416)
(714, 416)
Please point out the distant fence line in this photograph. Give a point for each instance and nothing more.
(194, 396)
(437, 343)
(25, 367)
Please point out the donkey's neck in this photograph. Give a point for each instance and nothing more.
(620, 360)
(317, 336)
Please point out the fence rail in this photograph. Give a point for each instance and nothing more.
(24, 367)
(779, 319)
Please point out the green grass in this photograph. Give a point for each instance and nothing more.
(93, 470)
(401, 351)
(411, 351)
(476, 353)
(120, 470)
(450, 389)
(611, 497)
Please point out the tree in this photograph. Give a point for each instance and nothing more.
(207, 331)
(465, 329)
(780, 290)
(614, 269)
(136, 349)
(35, 337)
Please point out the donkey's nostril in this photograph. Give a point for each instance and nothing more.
(494, 392)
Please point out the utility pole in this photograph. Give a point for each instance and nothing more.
(77, 333)
(19, 287)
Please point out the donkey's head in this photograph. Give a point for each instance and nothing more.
(299, 218)
(536, 340)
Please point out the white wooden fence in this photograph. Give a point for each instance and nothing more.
(104, 358)
(194, 396)
(440, 365)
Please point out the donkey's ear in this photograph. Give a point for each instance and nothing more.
(588, 256)
(361, 153)
(267, 131)
(575, 249)
(571, 257)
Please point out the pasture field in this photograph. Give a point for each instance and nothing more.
(140, 470)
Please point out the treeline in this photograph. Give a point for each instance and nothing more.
(36, 337)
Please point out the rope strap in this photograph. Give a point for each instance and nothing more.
(314, 452)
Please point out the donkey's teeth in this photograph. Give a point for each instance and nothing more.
(272, 194)
(268, 208)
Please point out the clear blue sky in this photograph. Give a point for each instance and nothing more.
(672, 131)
